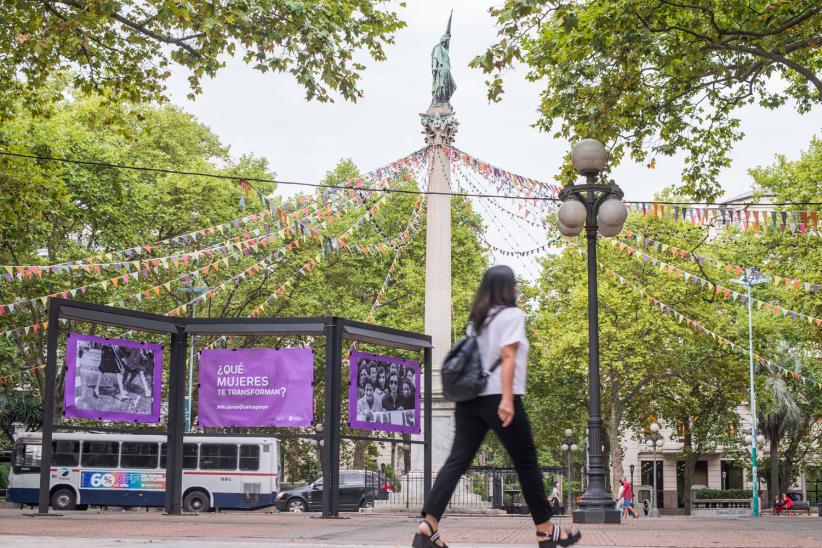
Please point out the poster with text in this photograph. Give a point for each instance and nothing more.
(256, 387)
(113, 379)
(384, 393)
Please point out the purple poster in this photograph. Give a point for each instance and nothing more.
(113, 379)
(384, 394)
(256, 387)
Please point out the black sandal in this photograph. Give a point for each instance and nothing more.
(428, 541)
(555, 541)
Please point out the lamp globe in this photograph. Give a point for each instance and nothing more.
(609, 230)
(572, 213)
(589, 157)
(567, 231)
(564, 446)
(612, 212)
(654, 427)
(568, 432)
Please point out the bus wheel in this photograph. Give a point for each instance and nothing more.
(63, 499)
(195, 501)
(296, 505)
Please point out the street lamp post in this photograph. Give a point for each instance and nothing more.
(596, 207)
(749, 280)
(654, 441)
(754, 441)
(568, 448)
(198, 291)
(632, 475)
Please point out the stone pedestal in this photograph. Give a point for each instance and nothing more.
(439, 128)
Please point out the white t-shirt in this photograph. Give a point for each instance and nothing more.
(507, 327)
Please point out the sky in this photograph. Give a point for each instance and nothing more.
(267, 114)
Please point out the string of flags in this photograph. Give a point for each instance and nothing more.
(757, 218)
(381, 177)
(715, 288)
(790, 283)
(698, 327)
(525, 210)
(135, 269)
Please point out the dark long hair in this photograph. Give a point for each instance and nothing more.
(497, 288)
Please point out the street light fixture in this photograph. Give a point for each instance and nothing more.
(751, 278)
(654, 441)
(595, 207)
(197, 291)
(568, 448)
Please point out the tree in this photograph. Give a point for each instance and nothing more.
(654, 77)
(20, 410)
(127, 49)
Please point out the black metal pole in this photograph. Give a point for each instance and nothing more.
(596, 505)
(331, 434)
(48, 410)
(428, 421)
(176, 426)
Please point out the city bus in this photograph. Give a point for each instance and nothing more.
(90, 469)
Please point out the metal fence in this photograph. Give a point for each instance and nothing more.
(480, 490)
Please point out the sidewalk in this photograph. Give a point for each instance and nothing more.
(94, 529)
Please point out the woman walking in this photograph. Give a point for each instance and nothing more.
(500, 329)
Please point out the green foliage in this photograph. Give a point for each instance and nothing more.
(22, 409)
(799, 181)
(652, 78)
(127, 49)
(713, 494)
(5, 469)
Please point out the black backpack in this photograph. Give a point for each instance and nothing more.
(462, 375)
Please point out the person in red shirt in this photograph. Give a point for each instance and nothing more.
(627, 493)
(784, 502)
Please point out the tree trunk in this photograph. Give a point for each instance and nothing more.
(690, 465)
(615, 447)
(773, 483)
(358, 460)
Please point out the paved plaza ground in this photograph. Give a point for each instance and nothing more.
(94, 529)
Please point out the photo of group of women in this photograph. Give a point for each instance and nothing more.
(112, 379)
(384, 393)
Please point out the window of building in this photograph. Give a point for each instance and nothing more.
(189, 456)
(218, 456)
(100, 454)
(65, 453)
(249, 457)
(139, 454)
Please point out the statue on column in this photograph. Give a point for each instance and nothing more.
(443, 86)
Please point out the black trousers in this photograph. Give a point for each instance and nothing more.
(473, 420)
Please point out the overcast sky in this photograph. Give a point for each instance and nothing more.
(267, 114)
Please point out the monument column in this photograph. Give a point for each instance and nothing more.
(439, 128)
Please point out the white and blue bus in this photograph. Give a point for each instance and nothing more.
(90, 469)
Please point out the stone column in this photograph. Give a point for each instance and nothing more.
(439, 128)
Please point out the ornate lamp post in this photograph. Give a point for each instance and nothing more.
(656, 440)
(569, 447)
(595, 207)
(753, 442)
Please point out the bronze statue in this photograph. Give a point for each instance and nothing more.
(443, 86)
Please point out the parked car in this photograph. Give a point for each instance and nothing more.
(358, 489)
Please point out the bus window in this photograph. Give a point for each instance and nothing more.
(218, 456)
(138, 454)
(65, 453)
(189, 456)
(249, 457)
(27, 458)
(100, 454)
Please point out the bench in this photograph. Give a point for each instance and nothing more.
(798, 506)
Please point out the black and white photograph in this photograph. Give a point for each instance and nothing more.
(384, 393)
(113, 379)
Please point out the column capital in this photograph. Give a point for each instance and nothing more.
(439, 126)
